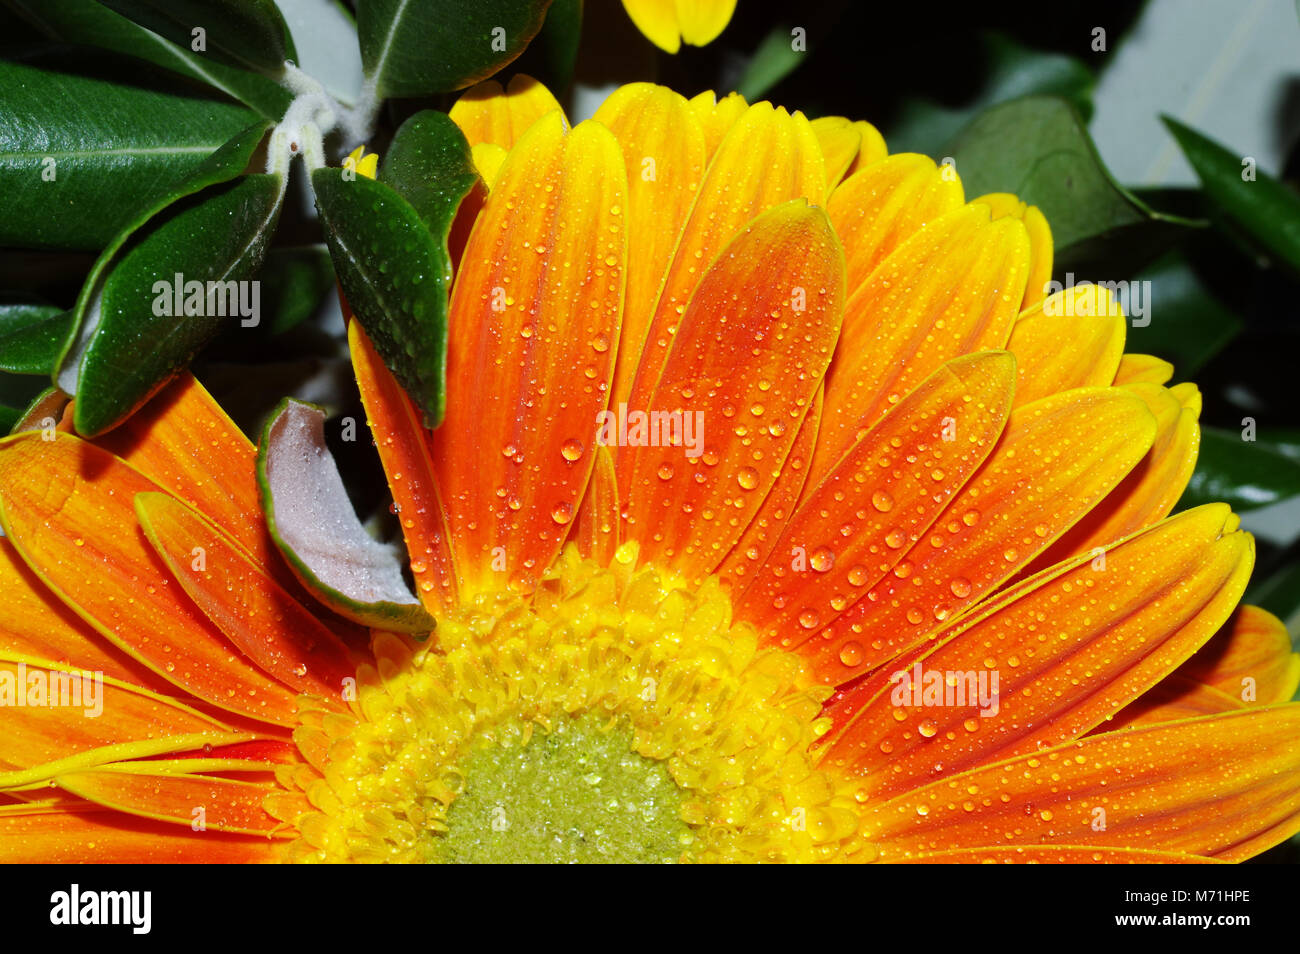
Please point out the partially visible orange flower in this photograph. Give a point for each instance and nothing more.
(907, 589)
(670, 23)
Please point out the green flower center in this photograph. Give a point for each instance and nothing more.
(577, 794)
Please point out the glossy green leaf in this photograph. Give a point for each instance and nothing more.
(222, 166)
(312, 521)
(325, 35)
(44, 411)
(430, 166)
(79, 157)
(418, 47)
(390, 250)
(246, 33)
(1011, 71)
(1263, 207)
(1246, 474)
(155, 308)
(31, 336)
(1038, 148)
(88, 22)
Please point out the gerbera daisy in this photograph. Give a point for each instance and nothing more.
(776, 515)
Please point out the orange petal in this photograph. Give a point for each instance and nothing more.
(1074, 339)
(953, 288)
(534, 326)
(1250, 659)
(596, 528)
(779, 283)
(110, 837)
(1056, 855)
(755, 545)
(717, 116)
(850, 530)
(33, 622)
(663, 146)
(770, 157)
(1056, 458)
(96, 720)
(401, 439)
(67, 508)
(1174, 697)
(267, 624)
(486, 113)
(1143, 369)
(1040, 242)
(226, 804)
(876, 210)
(185, 443)
(1150, 491)
(1009, 681)
(1222, 786)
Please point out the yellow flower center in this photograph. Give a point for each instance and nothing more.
(614, 715)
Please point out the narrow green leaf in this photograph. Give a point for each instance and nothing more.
(395, 274)
(1248, 475)
(246, 33)
(419, 47)
(85, 21)
(1263, 207)
(774, 60)
(312, 522)
(79, 157)
(222, 166)
(178, 283)
(1038, 148)
(31, 336)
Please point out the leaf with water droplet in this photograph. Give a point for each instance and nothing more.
(312, 521)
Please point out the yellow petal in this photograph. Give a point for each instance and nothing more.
(1074, 339)
(664, 150)
(1143, 369)
(486, 113)
(657, 20)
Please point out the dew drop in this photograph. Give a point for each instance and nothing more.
(822, 559)
(851, 654)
